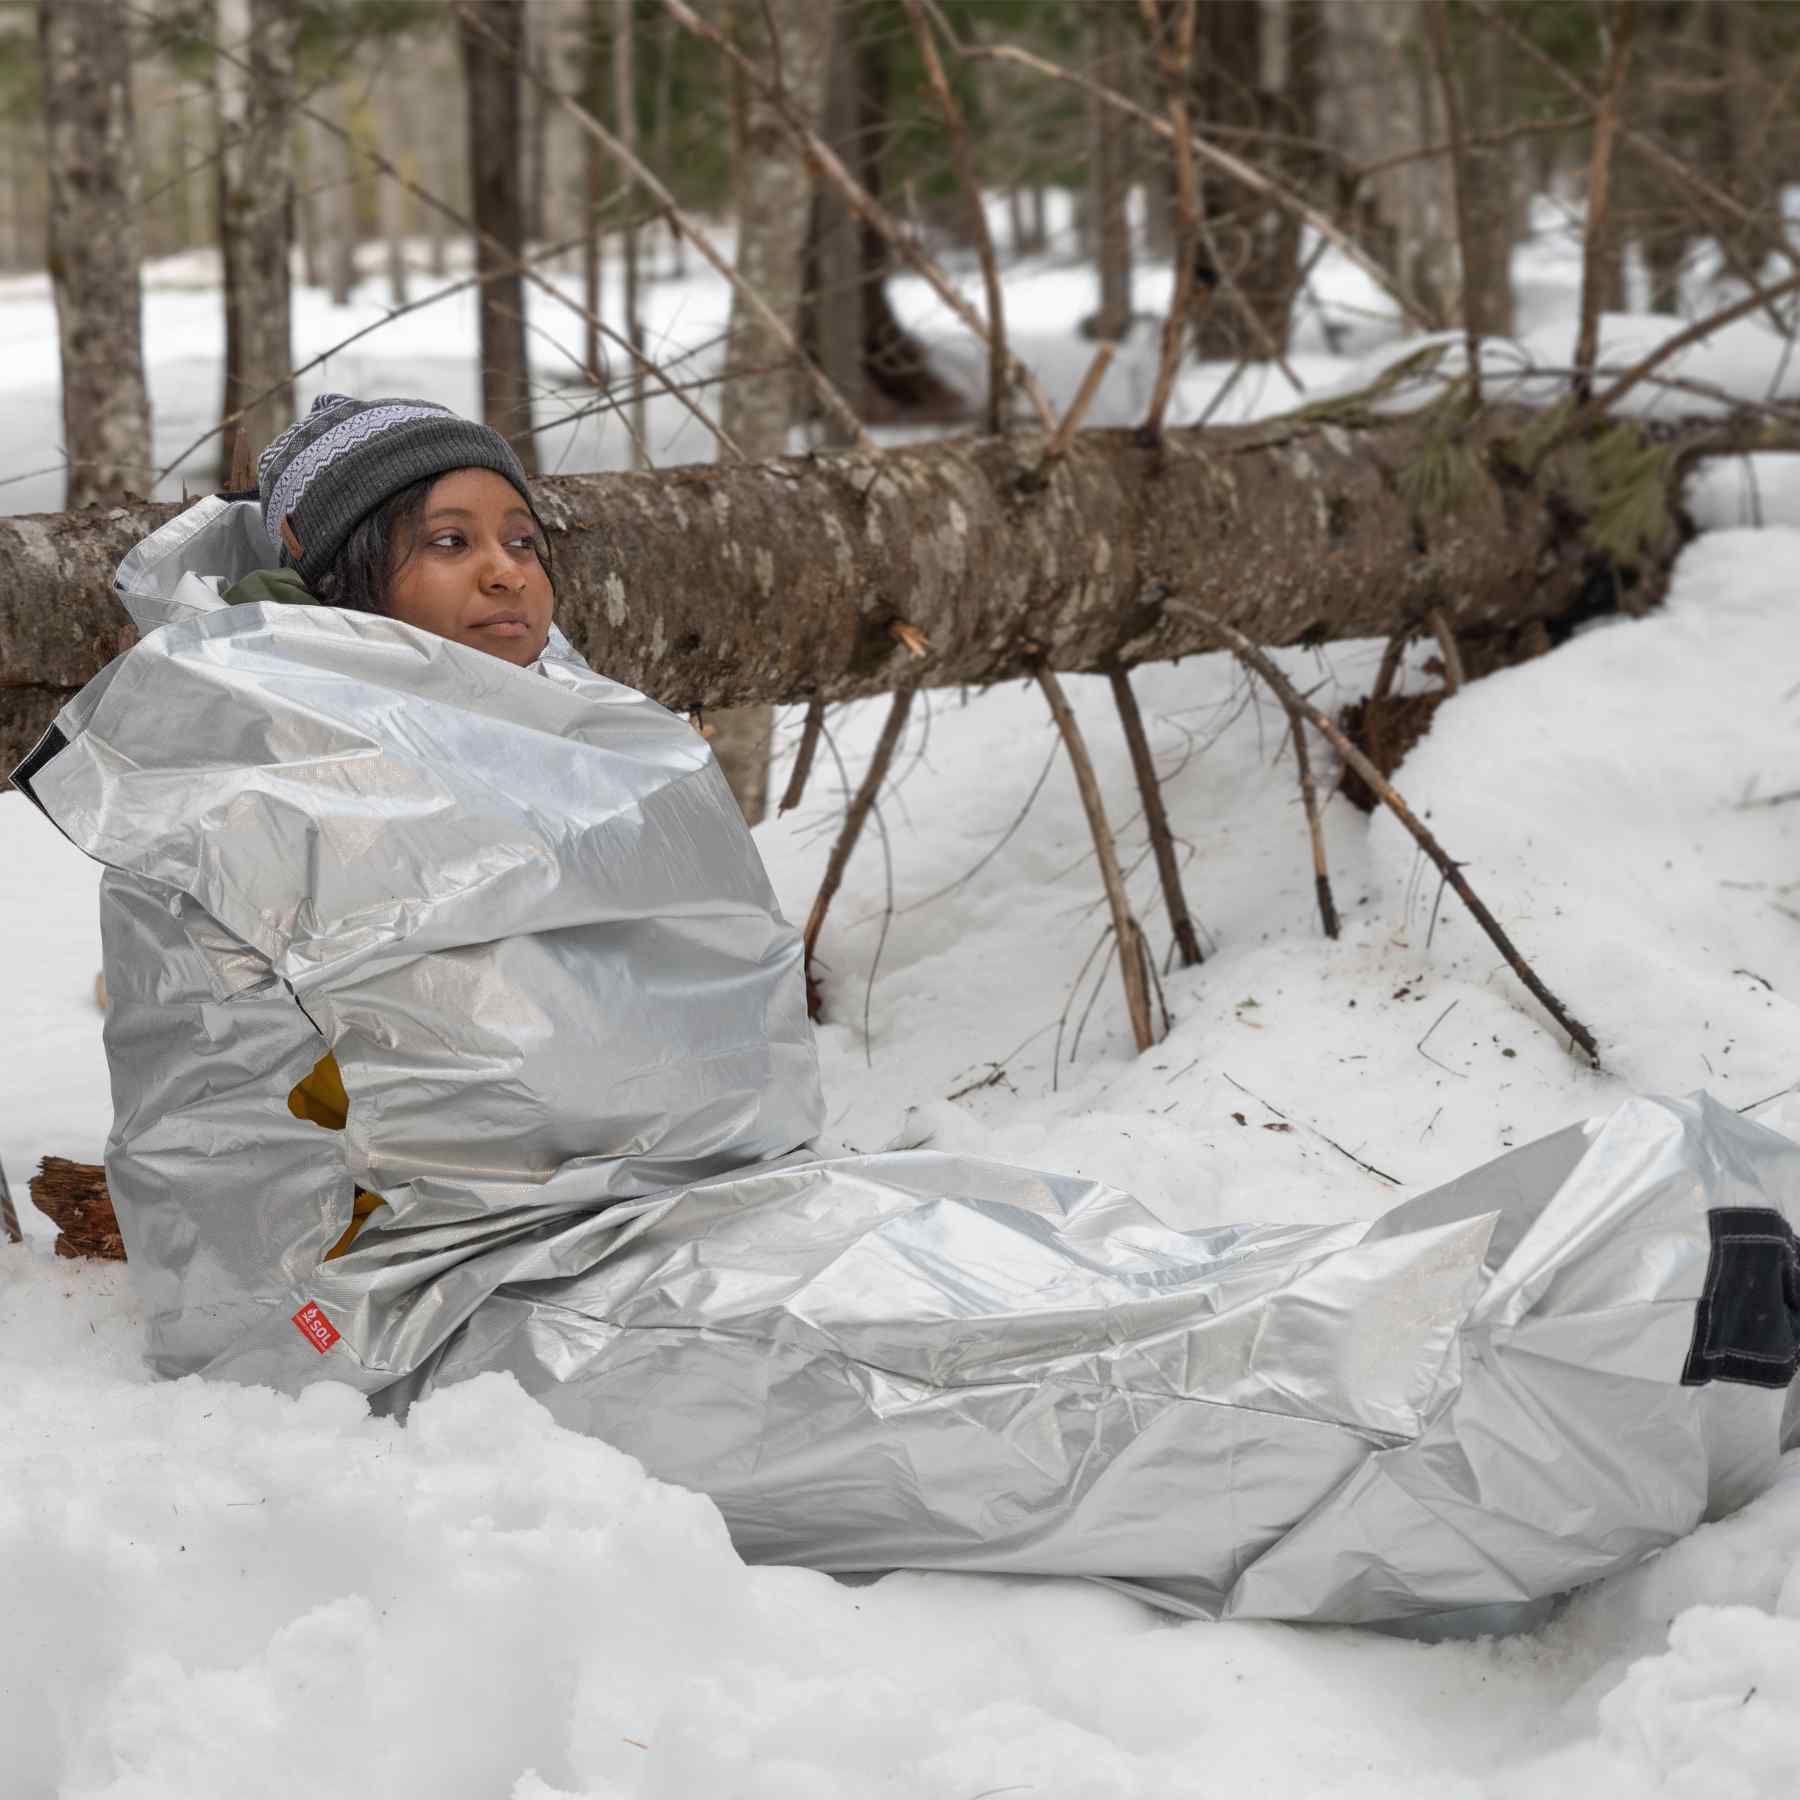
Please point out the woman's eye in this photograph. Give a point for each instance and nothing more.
(447, 540)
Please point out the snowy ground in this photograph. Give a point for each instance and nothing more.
(208, 1591)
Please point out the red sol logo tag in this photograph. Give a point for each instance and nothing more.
(315, 1327)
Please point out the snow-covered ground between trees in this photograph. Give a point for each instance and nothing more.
(214, 1591)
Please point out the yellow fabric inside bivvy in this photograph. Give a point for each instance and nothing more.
(320, 1098)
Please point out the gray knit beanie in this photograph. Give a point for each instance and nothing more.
(327, 471)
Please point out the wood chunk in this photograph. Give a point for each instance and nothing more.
(74, 1195)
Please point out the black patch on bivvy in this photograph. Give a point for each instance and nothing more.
(52, 744)
(1747, 1323)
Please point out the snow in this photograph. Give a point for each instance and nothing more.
(209, 1590)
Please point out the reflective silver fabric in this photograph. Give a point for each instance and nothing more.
(521, 908)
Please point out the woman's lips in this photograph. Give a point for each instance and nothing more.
(504, 625)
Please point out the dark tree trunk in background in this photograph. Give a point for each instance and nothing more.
(1496, 205)
(256, 216)
(492, 41)
(849, 262)
(774, 188)
(593, 175)
(1255, 244)
(1109, 174)
(94, 246)
(337, 195)
(833, 311)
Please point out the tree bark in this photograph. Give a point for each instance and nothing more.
(491, 81)
(85, 51)
(775, 582)
(774, 189)
(256, 216)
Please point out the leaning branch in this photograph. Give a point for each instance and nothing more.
(963, 161)
(1296, 703)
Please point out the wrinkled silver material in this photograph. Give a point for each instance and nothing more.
(523, 911)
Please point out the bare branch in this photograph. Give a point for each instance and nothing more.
(1156, 819)
(795, 791)
(1125, 930)
(1315, 826)
(964, 163)
(854, 820)
(1252, 657)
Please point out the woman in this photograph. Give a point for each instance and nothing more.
(408, 837)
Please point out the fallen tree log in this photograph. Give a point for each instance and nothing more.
(725, 585)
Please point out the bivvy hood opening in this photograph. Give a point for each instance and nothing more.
(521, 911)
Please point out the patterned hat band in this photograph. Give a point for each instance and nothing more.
(323, 475)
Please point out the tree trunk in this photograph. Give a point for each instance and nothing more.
(492, 39)
(849, 260)
(624, 75)
(1496, 206)
(774, 188)
(395, 206)
(1109, 176)
(85, 51)
(835, 308)
(256, 210)
(593, 170)
(337, 196)
(738, 583)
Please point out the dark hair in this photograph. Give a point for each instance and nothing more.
(361, 571)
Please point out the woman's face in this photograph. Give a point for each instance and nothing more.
(472, 573)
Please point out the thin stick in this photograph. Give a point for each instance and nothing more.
(964, 164)
(854, 820)
(1084, 398)
(1449, 651)
(1617, 31)
(803, 757)
(827, 163)
(1315, 827)
(1156, 818)
(1246, 174)
(1131, 963)
(1174, 54)
(1249, 654)
(1596, 408)
(1286, 1119)
(1437, 34)
(678, 221)
(1484, 140)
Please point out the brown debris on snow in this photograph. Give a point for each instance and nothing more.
(74, 1195)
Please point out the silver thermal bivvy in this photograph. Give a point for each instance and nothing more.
(522, 911)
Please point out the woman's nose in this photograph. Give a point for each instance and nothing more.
(500, 569)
